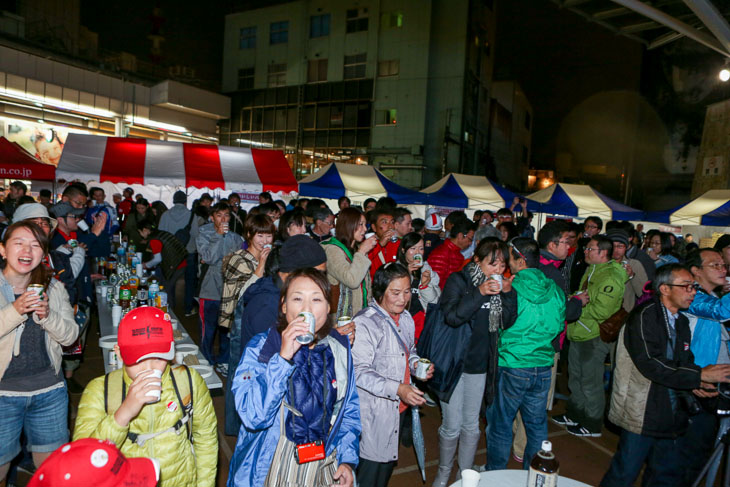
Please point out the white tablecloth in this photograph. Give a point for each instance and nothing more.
(515, 478)
(107, 328)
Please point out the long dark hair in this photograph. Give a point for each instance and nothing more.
(347, 222)
(320, 279)
(40, 275)
(409, 240)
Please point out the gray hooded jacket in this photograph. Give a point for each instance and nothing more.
(212, 248)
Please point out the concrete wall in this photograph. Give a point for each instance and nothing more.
(447, 52)
(712, 170)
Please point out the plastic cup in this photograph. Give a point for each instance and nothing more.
(470, 478)
(116, 315)
(156, 393)
(139, 270)
(83, 225)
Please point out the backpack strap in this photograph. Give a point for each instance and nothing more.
(186, 408)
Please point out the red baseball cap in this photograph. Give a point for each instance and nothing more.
(90, 462)
(145, 332)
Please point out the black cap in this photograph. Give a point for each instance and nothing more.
(300, 252)
(618, 235)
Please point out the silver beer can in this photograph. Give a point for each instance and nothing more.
(307, 338)
(422, 368)
(498, 278)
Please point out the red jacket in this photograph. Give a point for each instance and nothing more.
(445, 260)
(388, 254)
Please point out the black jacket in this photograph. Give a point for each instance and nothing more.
(461, 303)
(649, 265)
(573, 306)
(648, 386)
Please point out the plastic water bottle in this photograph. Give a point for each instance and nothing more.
(544, 468)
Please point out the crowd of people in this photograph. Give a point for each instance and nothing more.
(315, 317)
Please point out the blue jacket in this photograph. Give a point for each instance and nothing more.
(260, 309)
(709, 311)
(260, 384)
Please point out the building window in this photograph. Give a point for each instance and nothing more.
(247, 38)
(386, 117)
(528, 120)
(276, 75)
(319, 25)
(279, 32)
(355, 66)
(317, 71)
(388, 68)
(391, 20)
(357, 20)
(245, 78)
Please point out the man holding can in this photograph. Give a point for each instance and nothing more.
(386, 250)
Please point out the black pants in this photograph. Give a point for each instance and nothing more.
(374, 474)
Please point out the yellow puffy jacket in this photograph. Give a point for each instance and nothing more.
(180, 467)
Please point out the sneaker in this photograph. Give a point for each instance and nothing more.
(563, 420)
(192, 312)
(578, 430)
(222, 369)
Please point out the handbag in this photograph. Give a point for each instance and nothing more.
(610, 328)
(444, 346)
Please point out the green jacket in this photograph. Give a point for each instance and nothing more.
(179, 466)
(605, 287)
(540, 318)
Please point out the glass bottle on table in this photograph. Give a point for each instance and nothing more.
(125, 296)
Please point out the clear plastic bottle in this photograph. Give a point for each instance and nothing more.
(544, 468)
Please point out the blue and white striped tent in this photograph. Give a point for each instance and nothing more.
(471, 192)
(582, 201)
(358, 182)
(711, 209)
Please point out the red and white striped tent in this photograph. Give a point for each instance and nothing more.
(161, 167)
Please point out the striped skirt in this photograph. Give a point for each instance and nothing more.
(285, 471)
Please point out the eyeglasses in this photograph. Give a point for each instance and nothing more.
(687, 287)
(593, 249)
(716, 265)
(564, 242)
(591, 226)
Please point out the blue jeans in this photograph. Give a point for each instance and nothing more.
(525, 390)
(43, 417)
(661, 454)
(208, 314)
(191, 281)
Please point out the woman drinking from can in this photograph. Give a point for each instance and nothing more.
(33, 327)
(473, 297)
(298, 403)
(424, 282)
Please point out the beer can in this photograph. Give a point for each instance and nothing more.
(307, 338)
(73, 243)
(422, 368)
(394, 238)
(267, 246)
(498, 278)
(36, 288)
(343, 321)
(418, 260)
